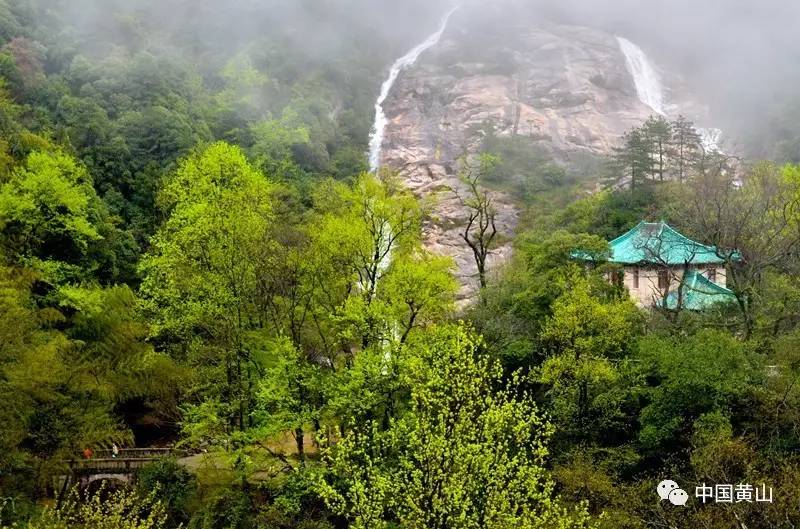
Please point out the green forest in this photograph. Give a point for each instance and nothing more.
(195, 260)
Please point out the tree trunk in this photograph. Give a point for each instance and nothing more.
(300, 440)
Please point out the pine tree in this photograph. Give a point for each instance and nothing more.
(631, 162)
(685, 149)
(658, 132)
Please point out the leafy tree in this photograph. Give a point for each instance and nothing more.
(52, 220)
(201, 274)
(119, 365)
(48, 214)
(529, 170)
(609, 212)
(778, 310)
(28, 58)
(775, 415)
(521, 301)
(587, 339)
(348, 161)
(60, 399)
(244, 84)
(18, 332)
(275, 139)
(174, 484)
(420, 290)
(353, 279)
(709, 372)
(119, 510)
(291, 395)
(468, 451)
(364, 231)
(10, 25)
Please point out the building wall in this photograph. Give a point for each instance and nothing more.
(648, 292)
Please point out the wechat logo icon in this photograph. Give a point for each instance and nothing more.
(669, 490)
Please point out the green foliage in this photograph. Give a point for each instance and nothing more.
(287, 306)
(588, 340)
(52, 220)
(707, 373)
(527, 170)
(289, 396)
(175, 486)
(46, 213)
(9, 23)
(230, 509)
(467, 451)
(419, 290)
(201, 275)
(658, 150)
(754, 228)
(243, 86)
(64, 371)
(610, 214)
(111, 338)
(519, 304)
(102, 510)
(363, 234)
(276, 140)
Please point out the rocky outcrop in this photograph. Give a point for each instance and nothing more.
(564, 87)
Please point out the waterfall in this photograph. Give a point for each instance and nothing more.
(651, 91)
(645, 76)
(406, 61)
(710, 138)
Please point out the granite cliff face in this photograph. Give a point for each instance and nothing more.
(566, 88)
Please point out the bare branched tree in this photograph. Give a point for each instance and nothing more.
(755, 225)
(481, 229)
(670, 277)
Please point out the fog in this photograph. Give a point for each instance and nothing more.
(756, 41)
(740, 56)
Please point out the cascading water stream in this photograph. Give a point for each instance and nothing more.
(710, 138)
(651, 91)
(645, 77)
(406, 61)
(376, 138)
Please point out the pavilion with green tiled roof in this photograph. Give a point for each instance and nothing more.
(661, 244)
(663, 267)
(697, 292)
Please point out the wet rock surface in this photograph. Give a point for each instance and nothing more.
(566, 88)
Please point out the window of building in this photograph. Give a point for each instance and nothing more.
(636, 278)
(711, 274)
(663, 279)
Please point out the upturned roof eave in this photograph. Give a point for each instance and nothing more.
(700, 253)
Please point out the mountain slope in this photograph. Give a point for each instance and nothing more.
(565, 89)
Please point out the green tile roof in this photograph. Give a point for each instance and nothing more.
(658, 243)
(698, 293)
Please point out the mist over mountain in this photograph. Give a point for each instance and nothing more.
(742, 57)
(739, 56)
